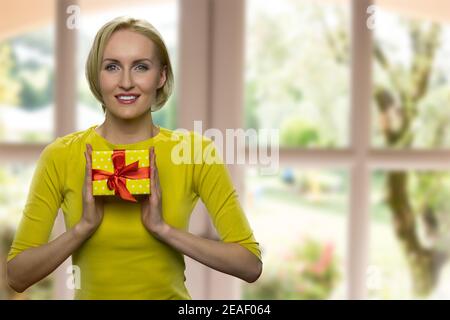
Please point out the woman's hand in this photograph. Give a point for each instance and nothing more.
(151, 207)
(92, 206)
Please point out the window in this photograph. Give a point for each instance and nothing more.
(411, 81)
(410, 94)
(27, 108)
(415, 239)
(393, 145)
(300, 219)
(14, 182)
(26, 86)
(297, 79)
(297, 71)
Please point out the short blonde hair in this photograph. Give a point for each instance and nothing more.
(94, 60)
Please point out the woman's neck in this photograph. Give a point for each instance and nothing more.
(119, 131)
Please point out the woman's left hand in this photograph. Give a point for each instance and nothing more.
(151, 207)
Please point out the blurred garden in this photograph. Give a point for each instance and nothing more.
(297, 80)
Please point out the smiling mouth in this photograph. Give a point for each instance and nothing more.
(127, 98)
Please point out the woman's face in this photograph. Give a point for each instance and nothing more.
(130, 74)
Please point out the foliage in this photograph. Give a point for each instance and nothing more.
(15, 183)
(291, 70)
(309, 272)
(298, 132)
(26, 72)
(9, 86)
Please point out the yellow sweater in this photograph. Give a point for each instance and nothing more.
(122, 260)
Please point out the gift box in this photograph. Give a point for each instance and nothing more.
(121, 173)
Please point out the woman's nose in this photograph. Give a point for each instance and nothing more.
(126, 81)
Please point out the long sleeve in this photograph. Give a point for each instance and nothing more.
(43, 201)
(212, 182)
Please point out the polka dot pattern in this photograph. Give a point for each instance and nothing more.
(102, 160)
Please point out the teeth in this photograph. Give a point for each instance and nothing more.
(127, 97)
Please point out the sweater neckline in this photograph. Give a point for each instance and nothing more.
(137, 144)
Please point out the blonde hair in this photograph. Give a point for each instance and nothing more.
(94, 60)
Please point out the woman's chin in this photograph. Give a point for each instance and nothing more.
(128, 112)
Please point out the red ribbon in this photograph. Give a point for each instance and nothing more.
(117, 179)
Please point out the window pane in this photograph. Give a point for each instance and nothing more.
(26, 86)
(411, 77)
(297, 71)
(409, 235)
(163, 15)
(15, 182)
(299, 218)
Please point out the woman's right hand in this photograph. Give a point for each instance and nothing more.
(92, 206)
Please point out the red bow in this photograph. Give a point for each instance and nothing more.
(117, 179)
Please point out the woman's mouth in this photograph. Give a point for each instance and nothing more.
(127, 98)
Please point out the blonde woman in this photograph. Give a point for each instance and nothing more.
(129, 248)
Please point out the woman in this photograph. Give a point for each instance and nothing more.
(125, 249)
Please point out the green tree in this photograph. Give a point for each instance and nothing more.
(400, 102)
(9, 86)
(288, 72)
(298, 132)
(398, 95)
(34, 71)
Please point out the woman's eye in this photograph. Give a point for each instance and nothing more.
(141, 67)
(111, 67)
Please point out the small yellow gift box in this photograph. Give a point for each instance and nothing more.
(121, 172)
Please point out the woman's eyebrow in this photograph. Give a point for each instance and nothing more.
(135, 61)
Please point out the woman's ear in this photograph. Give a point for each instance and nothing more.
(162, 77)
